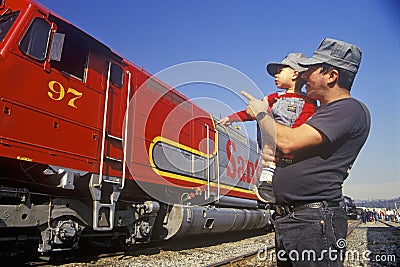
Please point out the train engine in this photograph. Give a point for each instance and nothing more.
(93, 147)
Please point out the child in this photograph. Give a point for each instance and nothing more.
(290, 107)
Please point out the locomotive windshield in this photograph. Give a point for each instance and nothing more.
(6, 21)
(35, 40)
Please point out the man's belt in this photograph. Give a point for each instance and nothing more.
(284, 210)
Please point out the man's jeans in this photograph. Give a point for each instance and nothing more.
(311, 237)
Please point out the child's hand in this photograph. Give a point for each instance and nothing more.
(224, 121)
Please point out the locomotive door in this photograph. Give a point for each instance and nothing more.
(116, 101)
(108, 184)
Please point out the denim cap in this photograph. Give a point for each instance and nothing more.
(336, 53)
(290, 60)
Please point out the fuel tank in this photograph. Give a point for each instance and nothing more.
(196, 220)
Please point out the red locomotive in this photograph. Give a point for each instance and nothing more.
(93, 146)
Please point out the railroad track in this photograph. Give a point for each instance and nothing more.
(103, 256)
(391, 224)
(352, 226)
(377, 243)
(219, 250)
(236, 261)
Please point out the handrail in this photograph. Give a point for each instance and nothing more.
(103, 138)
(216, 163)
(125, 134)
(208, 160)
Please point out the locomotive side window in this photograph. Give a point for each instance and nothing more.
(175, 160)
(74, 56)
(117, 75)
(36, 39)
(6, 21)
(172, 159)
(74, 52)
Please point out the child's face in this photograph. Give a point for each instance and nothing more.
(285, 77)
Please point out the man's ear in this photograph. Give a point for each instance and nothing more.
(333, 76)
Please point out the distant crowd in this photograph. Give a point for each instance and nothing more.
(374, 215)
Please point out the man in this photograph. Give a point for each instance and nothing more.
(311, 223)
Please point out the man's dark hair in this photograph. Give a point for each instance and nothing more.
(346, 78)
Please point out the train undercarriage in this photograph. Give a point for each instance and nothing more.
(47, 223)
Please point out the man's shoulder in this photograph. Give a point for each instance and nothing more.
(344, 105)
(347, 114)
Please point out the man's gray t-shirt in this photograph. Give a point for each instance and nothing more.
(318, 173)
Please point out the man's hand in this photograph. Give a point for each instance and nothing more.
(268, 155)
(255, 105)
(267, 127)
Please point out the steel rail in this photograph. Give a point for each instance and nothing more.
(255, 252)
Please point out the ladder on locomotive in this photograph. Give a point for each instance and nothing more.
(106, 211)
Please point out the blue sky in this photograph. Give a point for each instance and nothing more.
(247, 35)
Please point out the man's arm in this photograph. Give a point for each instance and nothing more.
(291, 140)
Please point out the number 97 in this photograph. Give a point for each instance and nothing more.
(57, 93)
